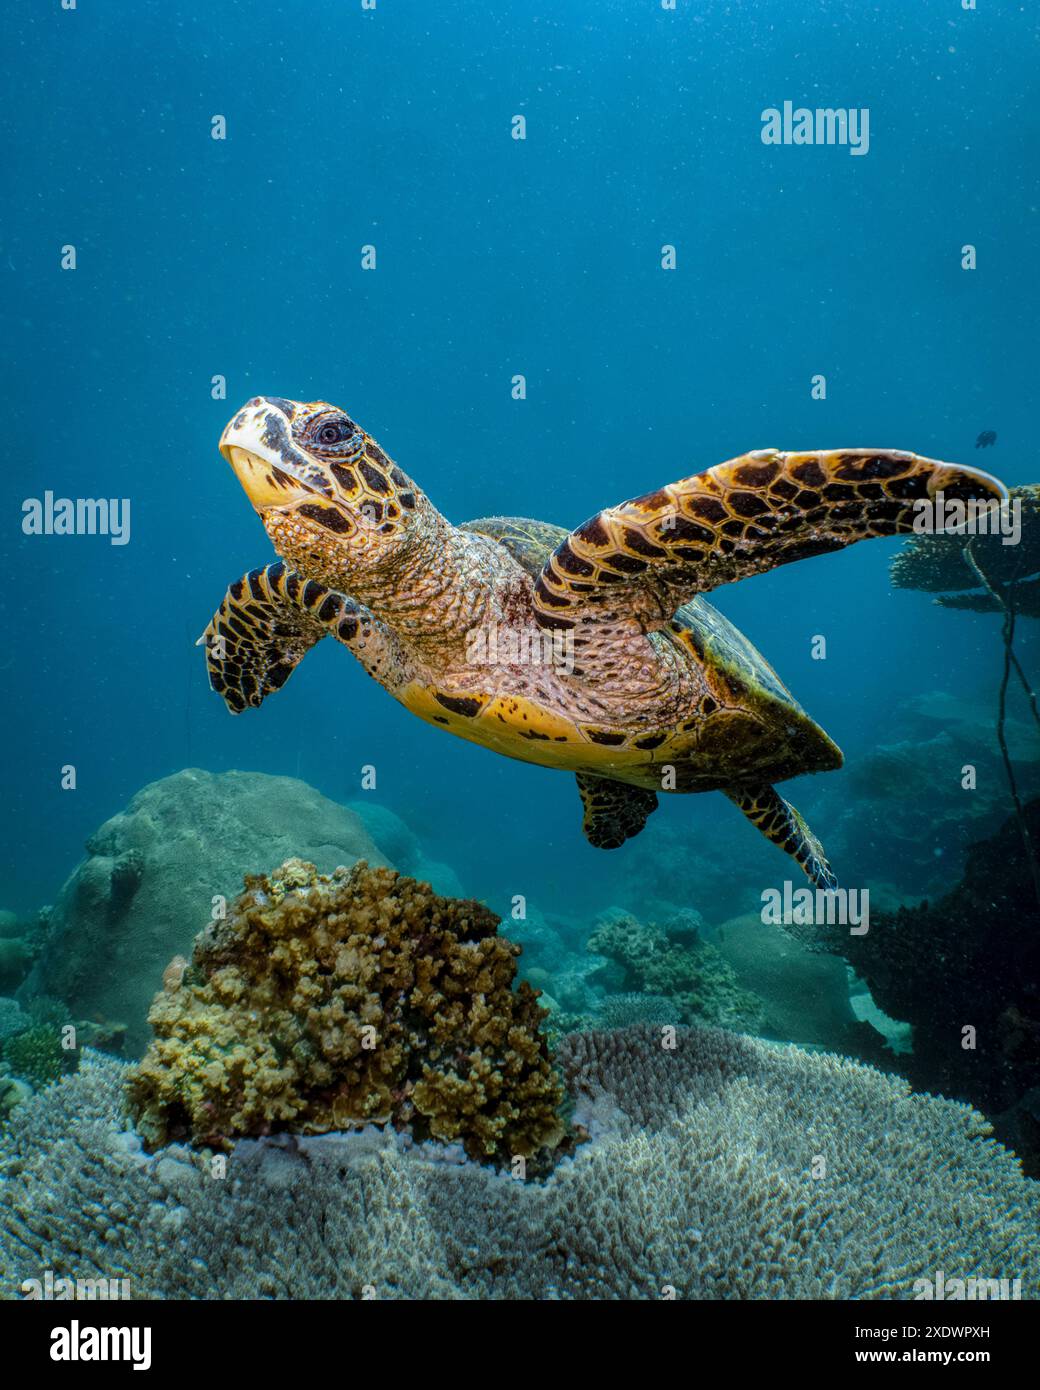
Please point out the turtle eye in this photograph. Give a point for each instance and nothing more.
(334, 432)
(331, 432)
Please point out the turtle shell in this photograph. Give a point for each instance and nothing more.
(722, 650)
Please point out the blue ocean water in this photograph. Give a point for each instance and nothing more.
(405, 208)
(392, 126)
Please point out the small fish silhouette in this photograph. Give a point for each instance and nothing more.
(985, 439)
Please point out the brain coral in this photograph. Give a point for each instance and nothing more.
(727, 1168)
(321, 1003)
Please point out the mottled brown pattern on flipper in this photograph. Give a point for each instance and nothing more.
(738, 519)
(779, 822)
(269, 620)
(252, 648)
(614, 812)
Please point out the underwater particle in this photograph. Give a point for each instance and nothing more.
(986, 439)
(326, 1003)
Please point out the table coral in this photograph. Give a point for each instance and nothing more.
(727, 1168)
(322, 1003)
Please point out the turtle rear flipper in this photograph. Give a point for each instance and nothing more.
(778, 821)
(641, 560)
(268, 622)
(614, 811)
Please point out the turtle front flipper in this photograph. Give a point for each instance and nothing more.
(268, 622)
(614, 811)
(641, 560)
(780, 822)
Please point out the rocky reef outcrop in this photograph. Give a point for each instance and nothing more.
(404, 849)
(19, 944)
(151, 875)
(324, 1002)
(900, 818)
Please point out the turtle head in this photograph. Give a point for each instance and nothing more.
(333, 504)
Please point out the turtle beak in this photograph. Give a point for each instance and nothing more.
(259, 446)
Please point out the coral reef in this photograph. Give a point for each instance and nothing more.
(404, 849)
(16, 956)
(555, 959)
(13, 1091)
(324, 1002)
(707, 840)
(643, 959)
(34, 1050)
(13, 1019)
(630, 1010)
(990, 576)
(970, 960)
(938, 564)
(19, 946)
(152, 873)
(728, 1168)
(37, 1056)
(878, 834)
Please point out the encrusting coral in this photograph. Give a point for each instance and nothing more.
(691, 973)
(320, 1003)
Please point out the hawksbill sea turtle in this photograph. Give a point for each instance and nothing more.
(656, 692)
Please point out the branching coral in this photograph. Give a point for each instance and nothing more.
(939, 564)
(703, 987)
(322, 1003)
(36, 1055)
